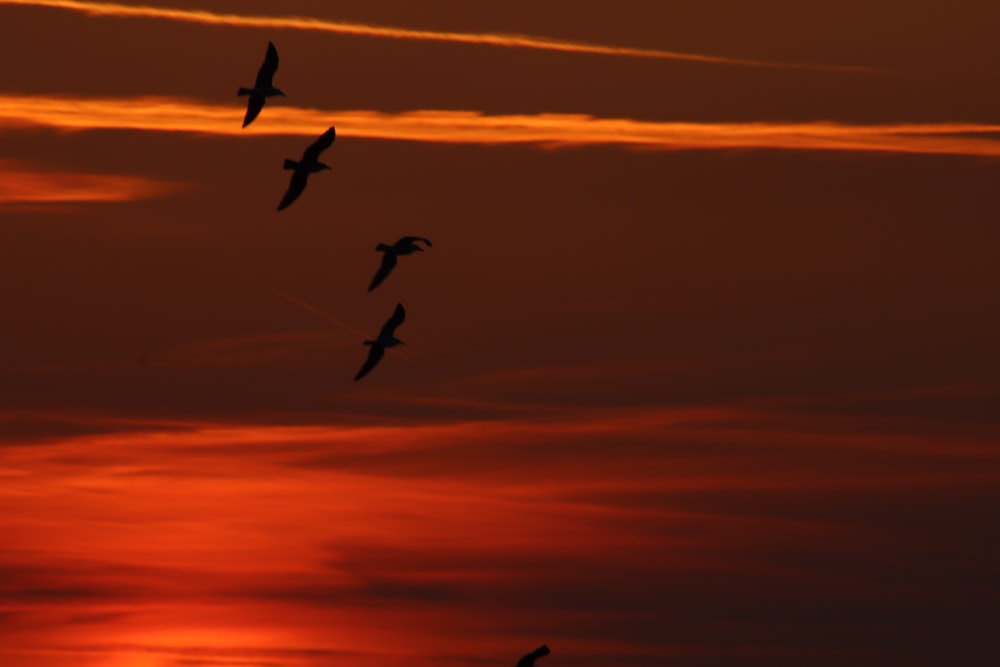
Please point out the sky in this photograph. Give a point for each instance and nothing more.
(700, 371)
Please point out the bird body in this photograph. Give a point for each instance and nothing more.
(310, 168)
(386, 338)
(404, 246)
(263, 87)
(391, 341)
(308, 164)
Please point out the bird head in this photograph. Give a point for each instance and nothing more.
(323, 165)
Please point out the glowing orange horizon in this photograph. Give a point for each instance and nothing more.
(204, 17)
(474, 127)
(296, 544)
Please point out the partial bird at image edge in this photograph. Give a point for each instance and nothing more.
(529, 660)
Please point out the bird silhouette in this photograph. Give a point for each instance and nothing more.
(263, 88)
(404, 246)
(309, 164)
(529, 660)
(386, 338)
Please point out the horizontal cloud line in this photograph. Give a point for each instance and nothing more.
(474, 127)
(204, 17)
(24, 184)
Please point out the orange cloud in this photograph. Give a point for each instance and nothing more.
(473, 127)
(20, 184)
(203, 17)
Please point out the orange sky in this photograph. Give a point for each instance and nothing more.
(700, 370)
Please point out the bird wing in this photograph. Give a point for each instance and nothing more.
(295, 188)
(268, 68)
(254, 104)
(529, 660)
(406, 240)
(325, 141)
(375, 355)
(388, 264)
(389, 329)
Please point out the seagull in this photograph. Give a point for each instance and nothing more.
(529, 660)
(386, 338)
(404, 246)
(307, 165)
(263, 88)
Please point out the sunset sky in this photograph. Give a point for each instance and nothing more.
(702, 369)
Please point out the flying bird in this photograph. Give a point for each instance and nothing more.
(529, 660)
(263, 88)
(309, 164)
(404, 246)
(386, 338)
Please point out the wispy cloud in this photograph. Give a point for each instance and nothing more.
(474, 127)
(27, 184)
(204, 17)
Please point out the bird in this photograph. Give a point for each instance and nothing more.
(404, 246)
(263, 88)
(309, 164)
(386, 338)
(529, 660)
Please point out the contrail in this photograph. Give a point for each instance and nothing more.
(316, 311)
(389, 32)
(473, 127)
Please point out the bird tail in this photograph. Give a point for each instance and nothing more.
(290, 164)
(243, 92)
(369, 342)
(381, 247)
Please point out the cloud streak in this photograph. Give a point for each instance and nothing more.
(23, 184)
(203, 17)
(474, 127)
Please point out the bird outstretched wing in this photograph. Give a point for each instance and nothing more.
(295, 188)
(529, 660)
(388, 264)
(254, 104)
(375, 354)
(268, 68)
(325, 141)
(389, 329)
(406, 240)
